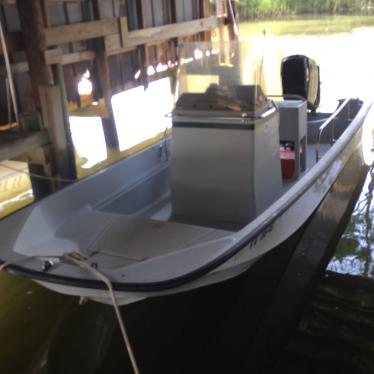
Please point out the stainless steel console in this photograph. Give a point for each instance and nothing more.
(225, 165)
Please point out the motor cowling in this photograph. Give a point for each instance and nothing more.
(300, 76)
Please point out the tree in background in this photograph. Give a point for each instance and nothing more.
(268, 8)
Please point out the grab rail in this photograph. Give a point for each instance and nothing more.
(329, 120)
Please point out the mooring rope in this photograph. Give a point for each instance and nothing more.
(53, 179)
(78, 260)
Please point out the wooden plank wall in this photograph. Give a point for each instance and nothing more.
(52, 43)
(134, 33)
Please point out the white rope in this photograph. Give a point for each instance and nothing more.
(78, 260)
(37, 175)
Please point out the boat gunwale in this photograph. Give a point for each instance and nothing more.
(266, 218)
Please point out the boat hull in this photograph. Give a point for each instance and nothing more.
(283, 223)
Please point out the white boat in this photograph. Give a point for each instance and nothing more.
(200, 206)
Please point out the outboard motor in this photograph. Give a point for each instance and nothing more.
(300, 76)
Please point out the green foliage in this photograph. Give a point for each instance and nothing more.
(269, 8)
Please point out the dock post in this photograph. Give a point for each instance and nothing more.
(47, 99)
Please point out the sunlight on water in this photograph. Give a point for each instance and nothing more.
(15, 187)
(318, 24)
(344, 59)
(355, 251)
(368, 138)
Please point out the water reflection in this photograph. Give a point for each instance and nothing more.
(29, 315)
(355, 251)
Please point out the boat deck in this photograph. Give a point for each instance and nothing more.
(161, 210)
(129, 208)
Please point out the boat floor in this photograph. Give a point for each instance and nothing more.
(126, 238)
(116, 239)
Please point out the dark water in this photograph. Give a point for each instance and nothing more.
(335, 331)
(355, 251)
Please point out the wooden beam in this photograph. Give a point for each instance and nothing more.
(46, 19)
(15, 143)
(72, 58)
(48, 96)
(124, 30)
(68, 167)
(154, 35)
(68, 58)
(114, 45)
(81, 31)
(105, 27)
(31, 18)
(57, 56)
(14, 42)
(102, 63)
(205, 12)
(54, 122)
(205, 8)
(53, 56)
(17, 67)
(118, 51)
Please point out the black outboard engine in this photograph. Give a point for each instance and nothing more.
(300, 76)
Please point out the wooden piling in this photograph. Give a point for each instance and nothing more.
(48, 99)
(109, 127)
